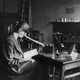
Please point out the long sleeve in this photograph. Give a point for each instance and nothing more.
(12, 55)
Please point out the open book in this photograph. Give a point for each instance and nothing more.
(30, 53)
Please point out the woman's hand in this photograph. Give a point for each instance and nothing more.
(27, 59)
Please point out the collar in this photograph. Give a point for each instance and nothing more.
(15, 35)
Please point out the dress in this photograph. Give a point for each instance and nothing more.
(13, 55)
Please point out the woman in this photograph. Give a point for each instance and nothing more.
(14, 56)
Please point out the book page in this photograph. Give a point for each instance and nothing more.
(30, 53)
(74, 55)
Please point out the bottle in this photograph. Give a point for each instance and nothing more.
(53, 54)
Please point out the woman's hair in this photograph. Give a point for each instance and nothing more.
(14, 27)
(18, 25)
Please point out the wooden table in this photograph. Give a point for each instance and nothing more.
(65, 67)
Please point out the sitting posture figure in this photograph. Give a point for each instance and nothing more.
(14, 55)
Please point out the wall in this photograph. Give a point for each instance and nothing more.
(46, 11)
(8, 14)
(43, 12)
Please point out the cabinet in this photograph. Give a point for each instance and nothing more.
(63, 31)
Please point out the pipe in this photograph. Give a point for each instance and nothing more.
(34, 41)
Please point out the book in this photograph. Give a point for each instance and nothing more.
(30, 53)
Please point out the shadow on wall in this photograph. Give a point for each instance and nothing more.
(47, 30)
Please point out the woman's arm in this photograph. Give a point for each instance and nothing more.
(10, 54)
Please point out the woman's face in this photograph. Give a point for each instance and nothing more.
(24, 27)
(21, 33)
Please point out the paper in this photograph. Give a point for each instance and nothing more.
(30, 53)
(74, 55)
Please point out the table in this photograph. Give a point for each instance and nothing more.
(64, 68)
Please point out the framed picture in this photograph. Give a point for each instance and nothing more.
(70, 10)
